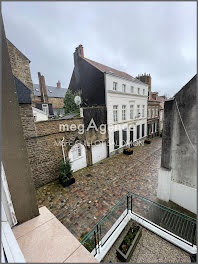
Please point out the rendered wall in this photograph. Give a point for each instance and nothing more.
(14, 150)
(177, 179)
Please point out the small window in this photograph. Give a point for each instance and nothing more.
(124, 88)
(138, 90)
(132, 89)
(76, 151)
(124, 112)
(115, 86)
(143, 91)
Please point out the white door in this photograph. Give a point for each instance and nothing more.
(99, 152)
(77, 156)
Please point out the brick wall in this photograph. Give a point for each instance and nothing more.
(57, 102)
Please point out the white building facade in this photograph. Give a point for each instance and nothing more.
(126, 102)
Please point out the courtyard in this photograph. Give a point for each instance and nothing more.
(97, 188)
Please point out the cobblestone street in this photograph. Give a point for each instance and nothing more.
(80, 206)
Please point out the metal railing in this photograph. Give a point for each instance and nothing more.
(173, 222)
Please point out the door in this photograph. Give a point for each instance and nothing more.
(116, 140)
(124, 137)
(131, 138)
(99, 152)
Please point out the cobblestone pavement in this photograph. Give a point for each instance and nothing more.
(80, 206)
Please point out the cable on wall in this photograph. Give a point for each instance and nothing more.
(184, 127)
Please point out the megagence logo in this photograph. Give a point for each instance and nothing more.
(81, 128)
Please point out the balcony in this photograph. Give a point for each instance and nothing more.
(171, 226)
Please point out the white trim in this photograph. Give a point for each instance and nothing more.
(172, 238)
(104, 250)
(9, 244)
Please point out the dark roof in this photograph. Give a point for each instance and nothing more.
(23, 92)
(51, 91)
(108, 69)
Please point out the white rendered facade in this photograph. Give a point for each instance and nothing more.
(127, 98)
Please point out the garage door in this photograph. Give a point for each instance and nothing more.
(99, 152)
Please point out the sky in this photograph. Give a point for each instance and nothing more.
(135, 37)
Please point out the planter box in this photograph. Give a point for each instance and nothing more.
(67, 183)
(126, 257)
(127, 152)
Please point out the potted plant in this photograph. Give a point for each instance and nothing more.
(128, 151)
(147, 141)
(65, 177)
(128, 245)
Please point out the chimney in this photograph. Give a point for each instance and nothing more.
(58, 84)
(43, 90)
(79, 52)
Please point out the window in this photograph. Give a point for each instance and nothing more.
(143, 127)
(132, 89)
(143, 91)
(124, 137)
(138, 110)
(153, 112)
(116, 140)
(131, 111)
(124, 88)
(143, 110)
(149, 113)
(115, 86)
(138, 90)
(156, 111)
(45, 108)
(124, 112)
(76, 151)
(138, 131)
(115, 113)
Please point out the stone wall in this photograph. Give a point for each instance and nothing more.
(43, 145)
(20, 65)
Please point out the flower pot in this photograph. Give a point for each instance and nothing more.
(147, 141)
(127, 152)
(67, 183)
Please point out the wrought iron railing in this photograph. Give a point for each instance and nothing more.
(169, 220)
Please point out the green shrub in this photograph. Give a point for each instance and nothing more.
(65, 170)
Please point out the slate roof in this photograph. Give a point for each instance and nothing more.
(23, 92)
(108, 69)
(51, 91)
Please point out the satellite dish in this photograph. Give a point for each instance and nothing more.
(77, 100)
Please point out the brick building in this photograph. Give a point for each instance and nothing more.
(155, 110)
(49, 96)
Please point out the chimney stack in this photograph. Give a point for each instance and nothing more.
(58, 84)
(43, 90)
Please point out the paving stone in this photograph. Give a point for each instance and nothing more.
(109, 181)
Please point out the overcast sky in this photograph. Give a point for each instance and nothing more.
(136, 37)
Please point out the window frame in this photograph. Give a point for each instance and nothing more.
(124, 88)
(115, 86)
(115, 110)
(123, 112)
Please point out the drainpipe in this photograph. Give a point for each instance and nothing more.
(63, 149)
